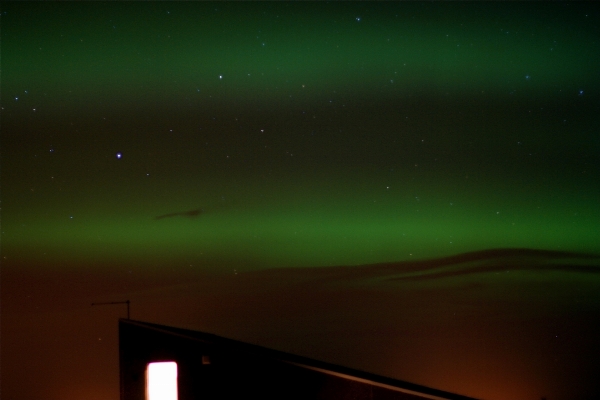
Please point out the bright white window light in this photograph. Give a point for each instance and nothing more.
(161, 381)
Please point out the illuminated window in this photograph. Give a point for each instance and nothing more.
(161, 381)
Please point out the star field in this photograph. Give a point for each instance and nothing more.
(232, 137)
(381, 125)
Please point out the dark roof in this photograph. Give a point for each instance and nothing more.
(303, 362)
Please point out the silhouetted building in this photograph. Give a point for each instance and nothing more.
(196, 365)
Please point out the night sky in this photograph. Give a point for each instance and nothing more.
(410, 189)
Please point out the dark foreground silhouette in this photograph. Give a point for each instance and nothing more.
(523, 316)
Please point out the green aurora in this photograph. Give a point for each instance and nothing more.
(159, 151)
(309, 134)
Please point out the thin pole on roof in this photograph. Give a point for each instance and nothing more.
(114, 302)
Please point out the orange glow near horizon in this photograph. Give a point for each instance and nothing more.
(161, 381)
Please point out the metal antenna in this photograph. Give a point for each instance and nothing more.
(114, 302)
